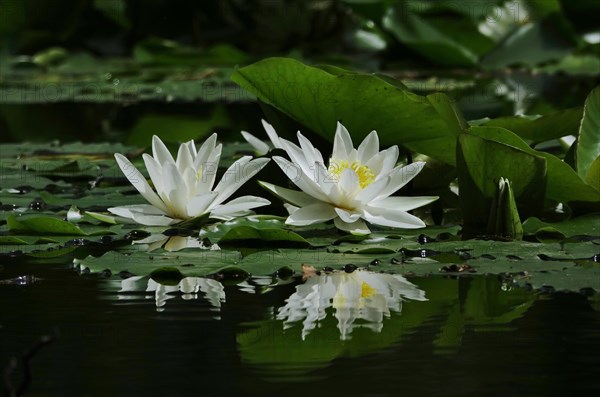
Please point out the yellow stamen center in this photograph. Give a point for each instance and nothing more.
(366, 291)
(365, 175)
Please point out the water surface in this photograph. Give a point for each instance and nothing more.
(471, 336)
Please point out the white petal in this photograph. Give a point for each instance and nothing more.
(143, 214)
(373, 190)
(155, 172)
(349, 182)
(259, 146)
(359, 227)
(126, 211)
(392, 217)
(314, 213)
(192, 148)
(236, 175)
(400, 176)
(383, 162)
(205, 150)
(311, 153)
(199, 204)
(154, 220)
(295, 197)
(403, 203)
(368, 148)
(209, 170)
(272, 134)
(184, 158)
(342, 143)
(243, 203)
(298, 157)
(160, 151)
(138, 181)
(189, 177)
(231, 216)
(326, 181)
(178, 191)
(290, 208)
(295, 174)
(346, 216)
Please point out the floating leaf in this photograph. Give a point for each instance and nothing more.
(243, 235)
(588, 225)
(53, 226)
(188, 263)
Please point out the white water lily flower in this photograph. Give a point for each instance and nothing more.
(260, 146)
(355, 186)
(213, 291)
(184, 186)
(360, 295)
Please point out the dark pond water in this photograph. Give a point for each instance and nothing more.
(472, 336)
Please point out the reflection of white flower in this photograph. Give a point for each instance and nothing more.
(184, 186)
(174, 243)
(213, 291)
(356, 185)
(360, 295)
(259, 146)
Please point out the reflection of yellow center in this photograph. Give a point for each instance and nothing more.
(366, 291)
(199, 174)
(365, 175)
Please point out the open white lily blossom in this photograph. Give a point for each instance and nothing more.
(354, 187)
(184, 186)
(360, 295)
(260, 146)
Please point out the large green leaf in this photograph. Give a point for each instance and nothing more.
(362, 102)
(481, 163)
(593, 175)
(449, 42)
(588, 143)
(563, 183)
(533, 43)
(550, 126)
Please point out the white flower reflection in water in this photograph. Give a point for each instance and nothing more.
(360, 295)
(188, 288)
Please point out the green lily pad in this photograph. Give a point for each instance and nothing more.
(54, 226)
(187, 262)
(588, 225)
